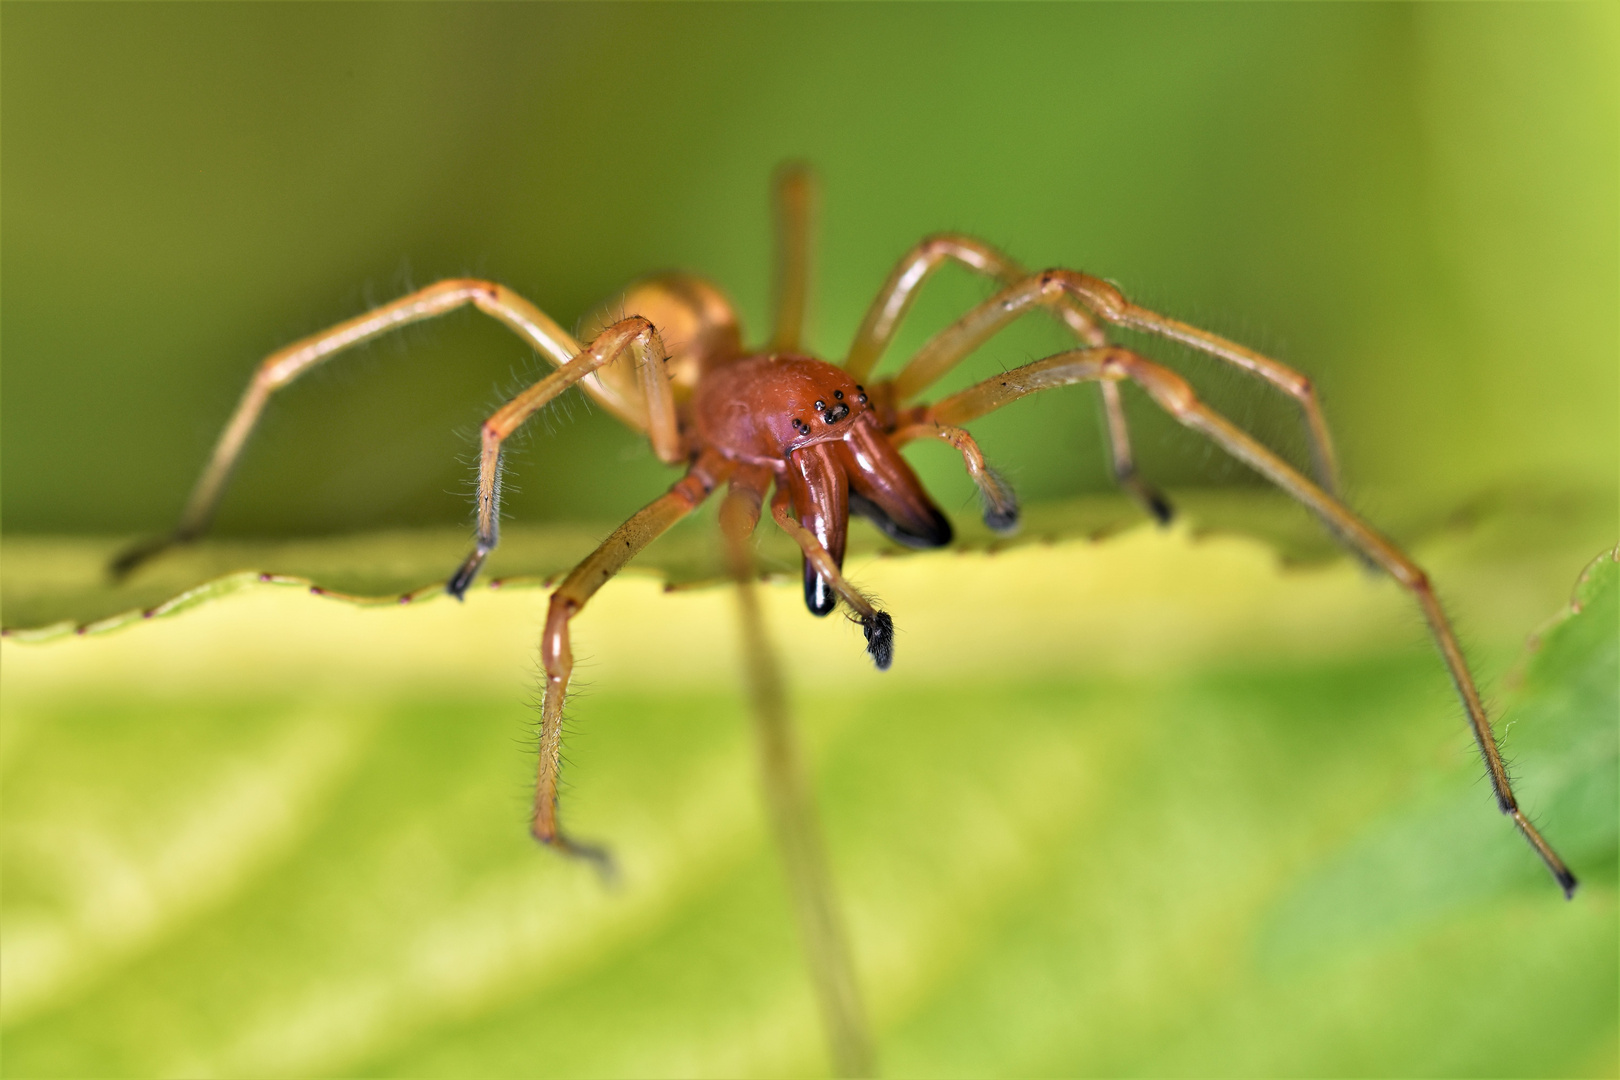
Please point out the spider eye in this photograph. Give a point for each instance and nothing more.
(820, 405)
(839, 394)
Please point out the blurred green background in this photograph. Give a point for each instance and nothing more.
(1413, 205)
(1146, 807)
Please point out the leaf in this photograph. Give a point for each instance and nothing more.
(1435, 854)
(1086, 827)
(54, 586)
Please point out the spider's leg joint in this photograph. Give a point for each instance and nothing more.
(1053, 281)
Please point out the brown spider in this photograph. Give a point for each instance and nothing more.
(827, 437)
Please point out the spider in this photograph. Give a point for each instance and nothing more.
(822, 440)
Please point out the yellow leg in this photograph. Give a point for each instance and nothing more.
(894, 300)
(1173, 394)
(634, 335)
(795, 217)
(790, 801)
(286, 364)
(568, 600)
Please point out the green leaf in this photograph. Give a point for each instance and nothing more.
(56, 586)
(1140, 806)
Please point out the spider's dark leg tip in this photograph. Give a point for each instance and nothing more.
(600, 858)
(135, 556)
(1002, 522)
(1567, 882)
(1160, 508)
(463, 578)
(879, 630)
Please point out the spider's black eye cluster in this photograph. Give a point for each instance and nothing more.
(861, 390)
(836, 412)
(800, 426)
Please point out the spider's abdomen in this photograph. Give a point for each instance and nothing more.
(761, 409)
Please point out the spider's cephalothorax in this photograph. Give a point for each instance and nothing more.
(815, 429)
(666, 357)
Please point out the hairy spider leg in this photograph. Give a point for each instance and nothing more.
(877, 624)
(568, 600)
(795, 195)
(1173, 394)
(788, 794)
(1123, 461)
(1049, 288)
(634, 335)
(894, 300)
(288, 363)
(1108, 303)
(997, 496)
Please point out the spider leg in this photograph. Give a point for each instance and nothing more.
(286, 364)
(997, 496)
(635, 335)
(894, 300)
(568, 600)
(1053, 289)
(1108, 303)
(795, 197)
(876, 624)
(1124, 462)
(788, 796)
(1173, 394)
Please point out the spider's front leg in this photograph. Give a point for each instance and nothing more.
(634, 335)
(1059, 291)
(894, 300)
(568, 600)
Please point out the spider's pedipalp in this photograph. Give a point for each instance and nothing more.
(1001, 509)
(820, 565)
(1000, 502)
(879, 631)
(895, 298)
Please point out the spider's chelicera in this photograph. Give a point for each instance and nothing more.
(822, 440)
